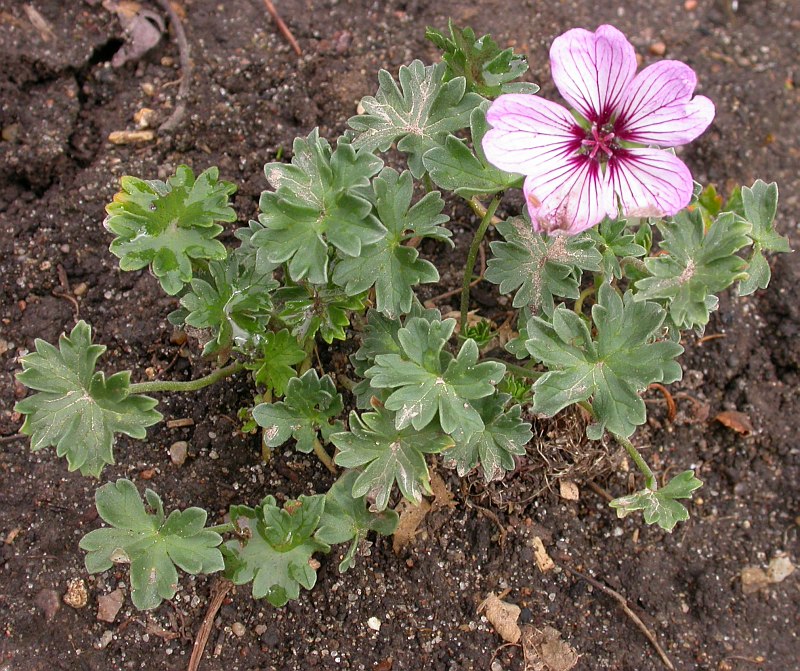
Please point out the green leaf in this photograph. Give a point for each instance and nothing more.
(392, 267)
(540, 267)
(612, 369)
(278, 547)
(310, 309)
(347, 519)
(418, 115)
(152, 544)
(614, 241)
(697, 266)
(235, 305)
(274, 366)
(388, 454)
(309, 405)
(77, 409)
(454, 167)
(166, 225)
(660, 506)
(760, 204)
(487, 69)
(428, 381)
(504, 435)
(317, 202)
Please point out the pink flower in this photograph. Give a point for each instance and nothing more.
(577, 173)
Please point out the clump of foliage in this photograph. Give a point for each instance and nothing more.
(335, 253)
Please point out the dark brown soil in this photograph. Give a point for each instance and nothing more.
(250, 96)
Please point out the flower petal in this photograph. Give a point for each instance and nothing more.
(650, 182)
(529, 134)
(658, 107)
(592, 70)
(569, 199)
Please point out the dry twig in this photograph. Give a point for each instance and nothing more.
(283, 27)
(186, 68)
(219, 591)
(625, 607)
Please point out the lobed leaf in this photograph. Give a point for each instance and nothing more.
(698, 264)
(539, 267)
(273, 367)
(166, 225)
(388, 454)
(276, 546)
(347, 519)
(152, 543)
(418, 115)
(307, 409)
(660, 506)
(77, 409)
(310, 309)
(392, 267)
(612, 369)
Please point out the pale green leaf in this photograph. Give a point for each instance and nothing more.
(661, 506)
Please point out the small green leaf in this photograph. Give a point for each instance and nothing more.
(504, 435)
(317, 202)
(307, 409)
(166, 225)
(428, 381)
(278, 548)
(454, 167)
(660, 506)
(760, 203)
(697, 266)
(78, 409)
(273, 367)
(392, 267)
(418, 115)
(540, 267)
(624, 359)
(152, 544)
(615, 241)
(234, 304)
(310, 309)
(347, 519)
(389, 455)
(487, 69)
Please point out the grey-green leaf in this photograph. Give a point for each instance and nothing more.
(661, 506)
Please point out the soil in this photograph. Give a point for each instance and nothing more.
(250, 96)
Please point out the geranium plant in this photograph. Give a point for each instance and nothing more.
(615, 254)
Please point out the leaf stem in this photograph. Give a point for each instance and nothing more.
(473, 255)
(519, 371)
(588, 291)
(323, 456)
(228, 527)
(187, 385)
(649, 479)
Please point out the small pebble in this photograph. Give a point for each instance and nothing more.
(260, 629)
(658, 48)
(178, 452)
(80, 289)
(374, 623)
(48, 602)
(104, 640)
(131, 136)
(690, 5)
(238, 629)
(76, 596)
(148, 89)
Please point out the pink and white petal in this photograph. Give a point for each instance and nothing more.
(650, 182)
(529, 134)
(571, 199)
(592, 70)
(658, 107)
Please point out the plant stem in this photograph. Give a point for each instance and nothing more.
(649, 479)
(519, 371)
(473, 255)
(188, 385)
(228, 527)
(588, 291)
(323, 456)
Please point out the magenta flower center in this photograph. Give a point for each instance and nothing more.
(599, 140)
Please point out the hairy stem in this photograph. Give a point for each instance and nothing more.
(188, 385)
(228, 527)
(649, 479)
(473, 255)
(519, 371)
(323, 456)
